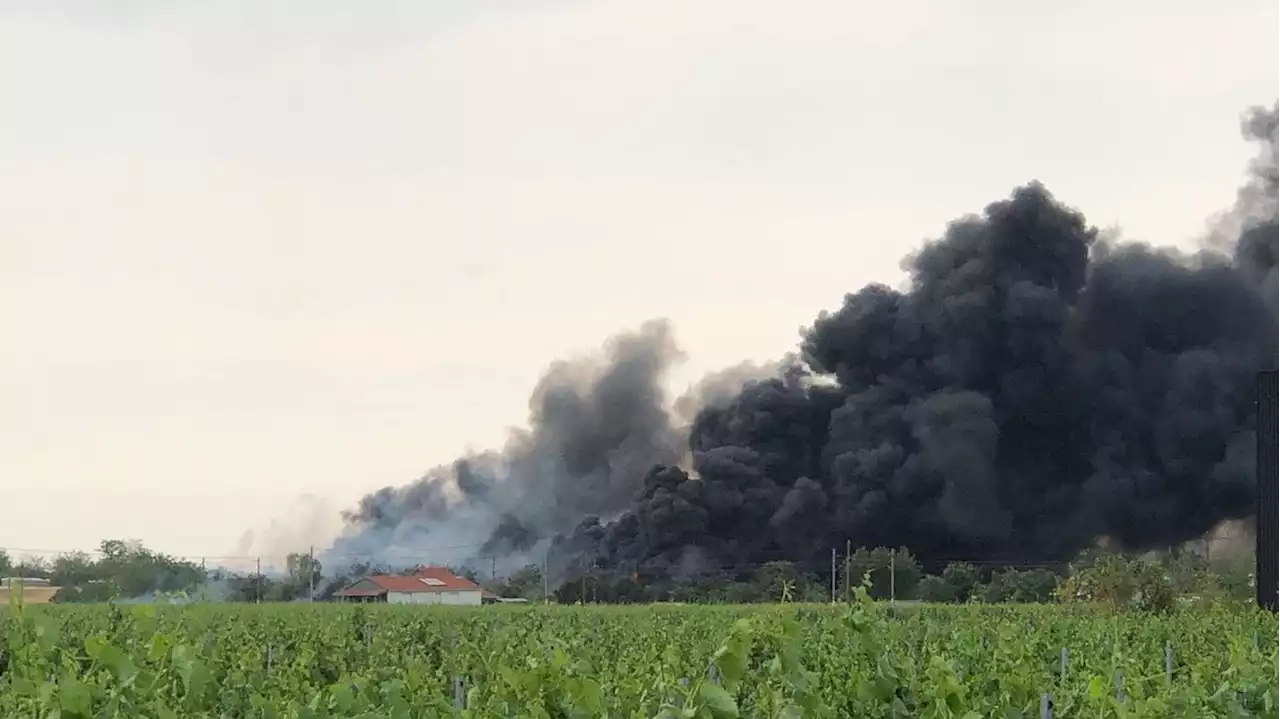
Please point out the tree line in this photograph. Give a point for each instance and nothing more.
(127, 570)
(1151, 581)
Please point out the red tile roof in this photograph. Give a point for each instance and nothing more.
(426, 579)
(448, 579)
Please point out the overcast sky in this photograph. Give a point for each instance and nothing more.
(255, 250)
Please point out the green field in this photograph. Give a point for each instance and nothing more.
(305, 660)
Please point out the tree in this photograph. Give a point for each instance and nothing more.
(304, 572)
(31, 568)
(933, 588)
(5, 563)
(79, 579)
(119, 549)
(1120, 583)
(779, 582)
(1156, 591)
(126, 569)
(879, 563)
(740, 593)
(1235, 577)
(963, 579)
(245, 587)
(1192, 575)
(1013, 585)
(525, 582)
(1104, 579)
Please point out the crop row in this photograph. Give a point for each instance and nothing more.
(862, 660)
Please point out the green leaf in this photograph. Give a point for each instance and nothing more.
(715, 698)
(94, 644)
(732, 666)
(46, 633)
(791, 711)
(23, 687)
(74, 698)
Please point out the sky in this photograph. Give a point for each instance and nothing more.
(259, 257)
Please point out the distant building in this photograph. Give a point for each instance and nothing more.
(428, 585)
(7, 582)
(32, 590)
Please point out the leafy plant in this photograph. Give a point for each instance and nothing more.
(307, 661)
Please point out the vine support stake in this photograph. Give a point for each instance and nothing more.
(1046, 706)
(1120, 685)
(1168, 662)
(684, 685)
(459, 693)
(1062, 665)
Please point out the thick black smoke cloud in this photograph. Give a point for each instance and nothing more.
(1034, 388)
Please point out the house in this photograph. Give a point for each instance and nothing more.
(428, 585)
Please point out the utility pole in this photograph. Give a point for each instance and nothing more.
(848, 580)
(833, 575)
(493, 568)
(546, 596)
(311, 574)
(257, 580)
(893, 576)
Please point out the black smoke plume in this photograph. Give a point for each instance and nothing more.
(596, 426)
(1035, 387)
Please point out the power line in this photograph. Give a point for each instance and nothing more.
(416, 551)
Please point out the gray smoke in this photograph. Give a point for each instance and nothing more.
(1034, 388)
(596, 425)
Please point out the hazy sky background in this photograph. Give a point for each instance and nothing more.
(255, 250)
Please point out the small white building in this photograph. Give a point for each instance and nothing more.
(428, 585)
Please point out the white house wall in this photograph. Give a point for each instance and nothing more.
(452, 597)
